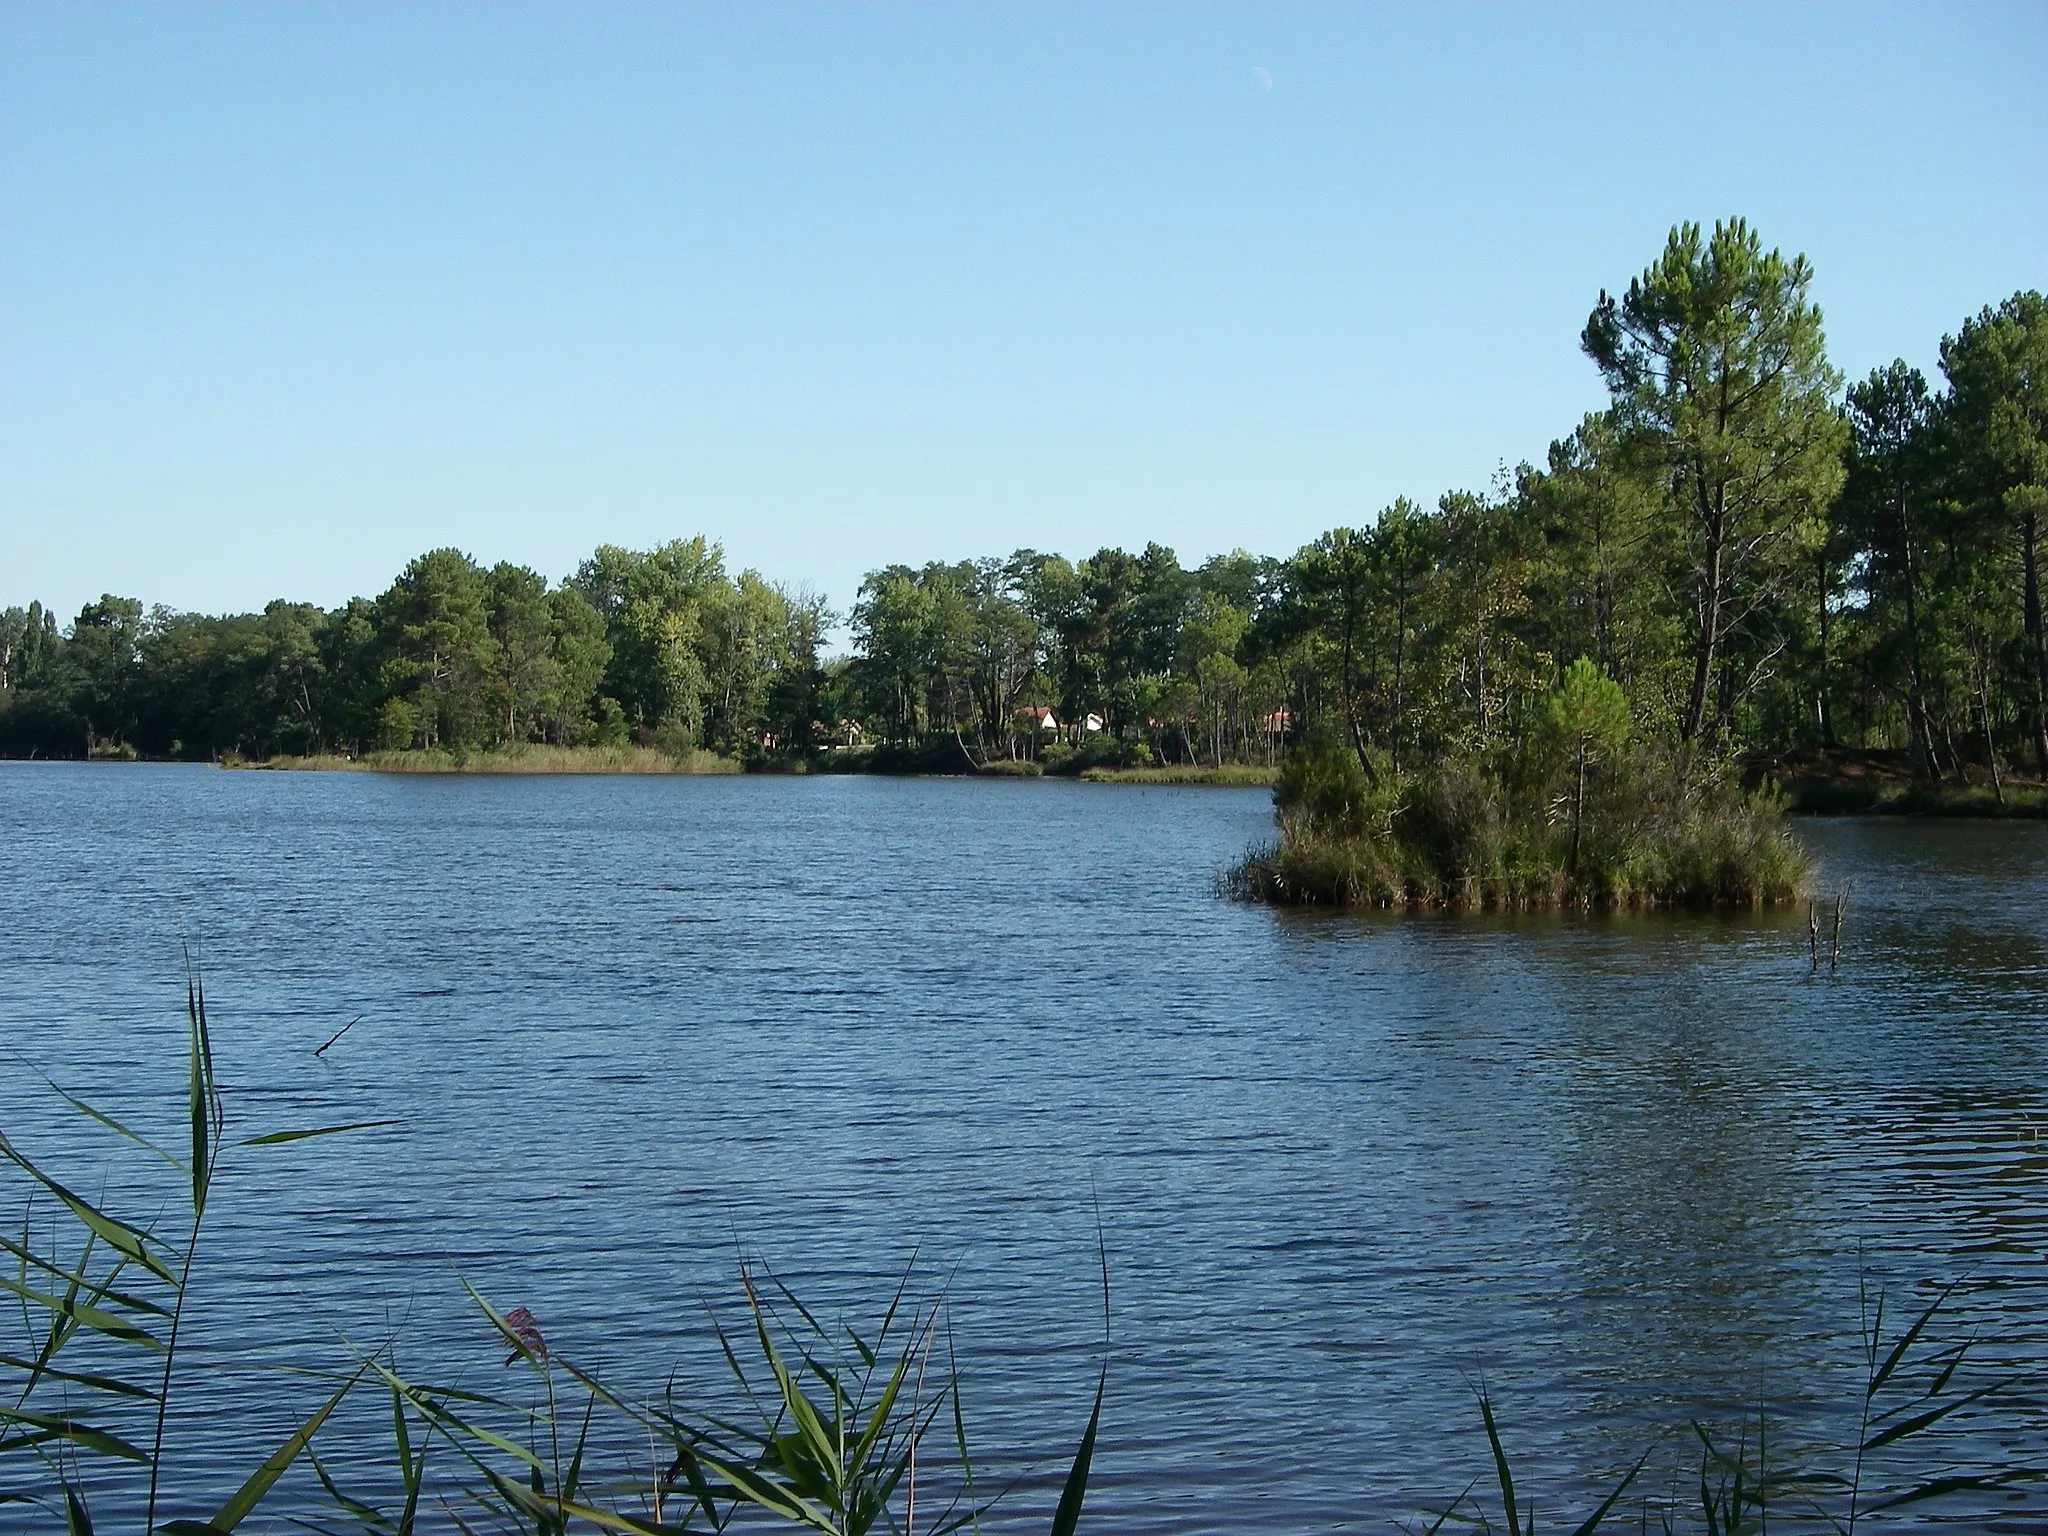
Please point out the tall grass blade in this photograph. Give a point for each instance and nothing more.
(34, 1370)
(130, 1242)
(53, 1426)
(364, 1515)
(92, 1317)
(1931, 1416)
(1940, 1487)
(77, 1280)
(265, 1477)
(112, 1124)
(1500, 1463)
(1068, 1513)
(279, 1138)
(1907, 1340)
(1593, 1522)
(77, 1522)
(199, 1090)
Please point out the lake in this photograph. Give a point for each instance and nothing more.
(1620, 1171)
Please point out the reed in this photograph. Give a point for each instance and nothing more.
(1742, 1482)
(1502, 834)
(833, 1430)
(117, 1293)
(1225, 776)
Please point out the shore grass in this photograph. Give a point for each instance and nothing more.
(1735, 861)
(1855, 782)
(521, 759)
(1851, 797)
(1228, 775)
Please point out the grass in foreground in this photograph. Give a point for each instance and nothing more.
(533, 759)
(824, 1434)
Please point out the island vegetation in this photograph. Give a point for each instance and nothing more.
(1580, 681)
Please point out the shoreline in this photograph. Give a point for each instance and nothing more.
(1858, 788)
(530, 760)
(1849, 782)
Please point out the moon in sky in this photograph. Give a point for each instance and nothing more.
(1262, 77)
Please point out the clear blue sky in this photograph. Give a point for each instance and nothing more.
(289, 293)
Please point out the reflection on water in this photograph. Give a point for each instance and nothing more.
(1621, 1170)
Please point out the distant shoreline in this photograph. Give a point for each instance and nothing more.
(1857, 783)
(539, 760)
(1847, 784)
(534, 760)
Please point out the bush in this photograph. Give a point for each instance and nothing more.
(1098, 751)
(607, 725)
(1324, 790)
(1530, 827)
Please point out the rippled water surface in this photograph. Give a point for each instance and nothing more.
(1621, 1171)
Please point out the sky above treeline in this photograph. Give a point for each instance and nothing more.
(290, 293)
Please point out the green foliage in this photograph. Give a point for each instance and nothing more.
(1323, 790)
(1585, 717)
(1722, 391)
(1519, 831)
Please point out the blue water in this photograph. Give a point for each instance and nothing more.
(1347, 1170)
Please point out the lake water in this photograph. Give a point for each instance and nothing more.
(1346, 1169)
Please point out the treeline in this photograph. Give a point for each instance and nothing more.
(663, 646)
(1761, 559)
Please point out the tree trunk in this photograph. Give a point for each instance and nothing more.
(2030, 556)
(1707, 643)
(1990, 743)
(1400, 660)
(1916, 695)
(1351, 698)
(1824, 714)
(1578, 814)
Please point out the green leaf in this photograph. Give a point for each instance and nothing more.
(61, 1427)
(808, 1424)
(260, 1482)
(1921, 1421)
(1500, 1463)
(76, 1521)
(112, 1124)
(101, 1289)
(278, 1138)
(770, 1496)
(1891, 1361)
(1068, 1514)
(79, 1378)
(92, 1317)
(121, 1237)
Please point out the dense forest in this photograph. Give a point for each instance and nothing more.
(1757, 558)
